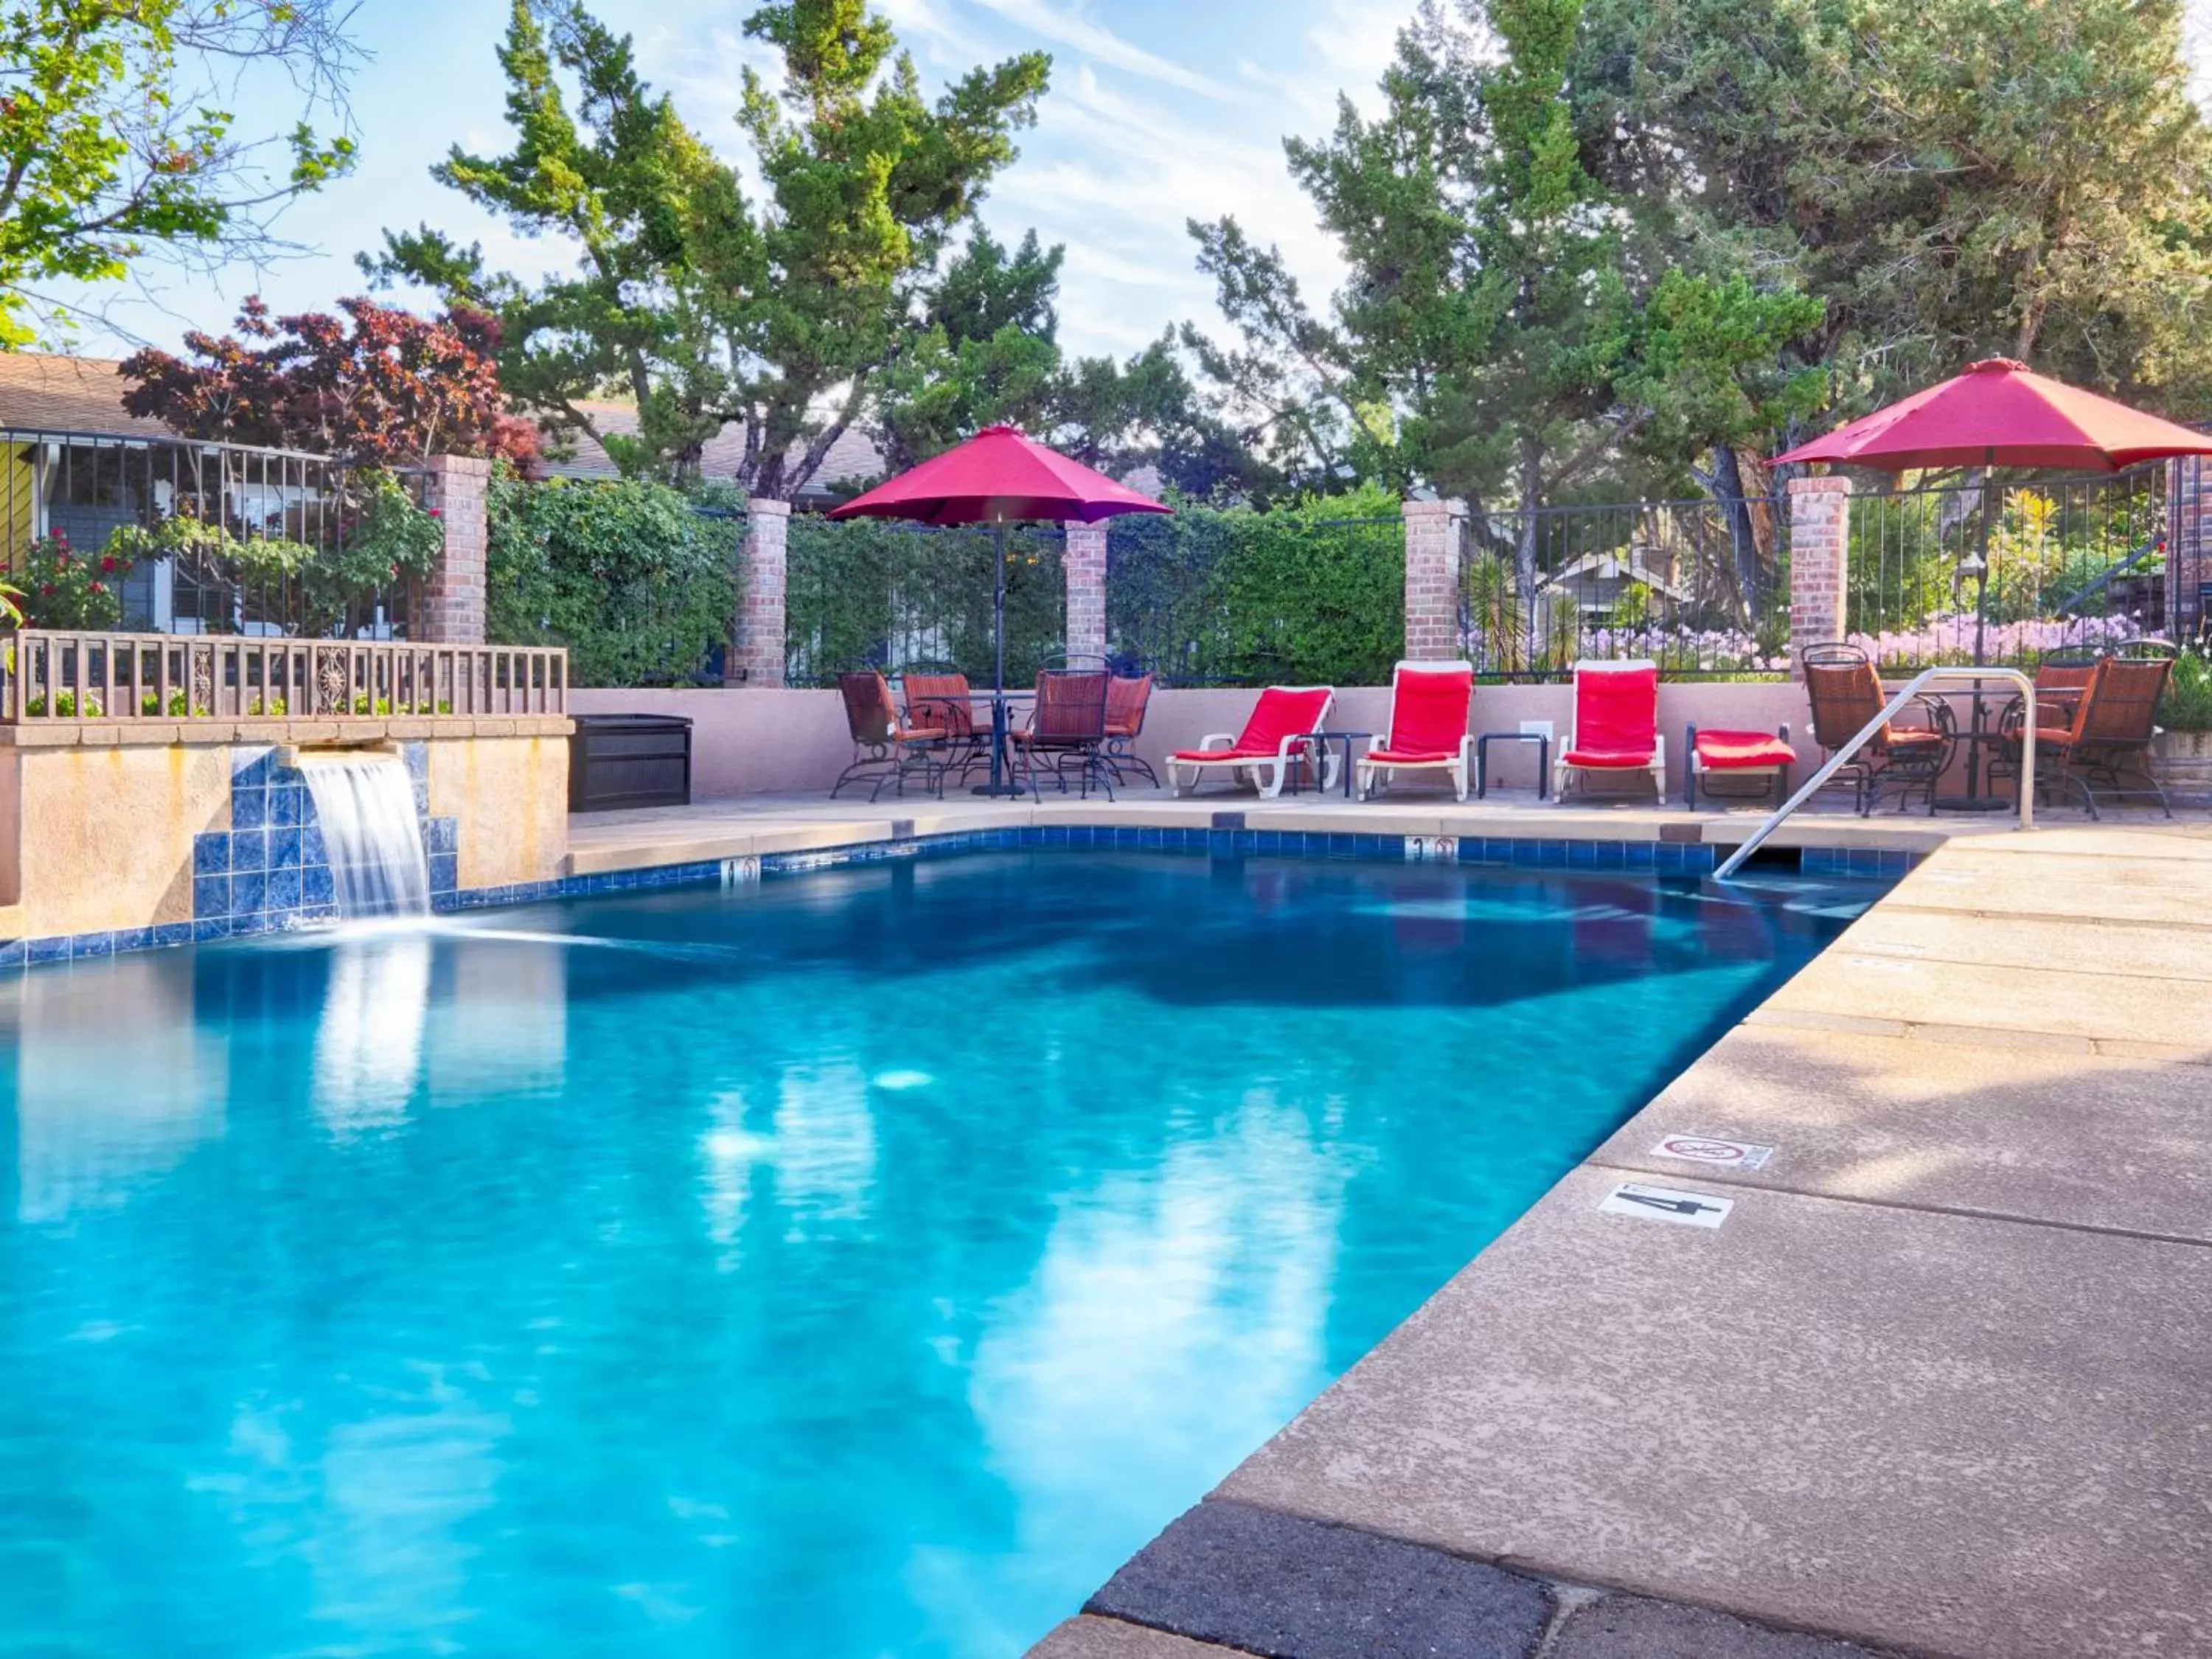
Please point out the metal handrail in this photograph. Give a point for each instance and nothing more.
(1873, 729)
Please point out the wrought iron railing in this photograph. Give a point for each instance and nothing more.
(2012, 573)
(145, 677)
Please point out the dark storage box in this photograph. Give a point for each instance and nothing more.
(630, 760)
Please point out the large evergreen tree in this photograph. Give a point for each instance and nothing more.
(787, 314)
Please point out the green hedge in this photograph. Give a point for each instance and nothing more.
(631, 577)
(1313, 594)
(875, 592)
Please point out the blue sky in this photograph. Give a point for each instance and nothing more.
(1160, 111)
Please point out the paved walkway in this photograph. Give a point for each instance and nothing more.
(1939, 1382)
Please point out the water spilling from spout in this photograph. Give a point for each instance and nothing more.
(365, 803)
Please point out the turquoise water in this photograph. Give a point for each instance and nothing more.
(860, 1264)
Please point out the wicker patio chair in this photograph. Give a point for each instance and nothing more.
(937, 694)
(1067, 733)
(1845, 693)
(2108, 742)
(1128, 696)
(885, 749)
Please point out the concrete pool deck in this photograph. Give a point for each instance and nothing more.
(1938, 1382)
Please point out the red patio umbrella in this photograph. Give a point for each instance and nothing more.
(2001, 413)
(998, 477)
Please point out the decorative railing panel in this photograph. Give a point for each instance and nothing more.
(77, 677)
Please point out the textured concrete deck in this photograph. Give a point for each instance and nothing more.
(1940, 1383)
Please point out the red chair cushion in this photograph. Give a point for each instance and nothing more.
(1616, 714)
(1625, 759)
(1244, 755)
(1281, 713)
(1731, 752)
(1429, 710)
(1412, 757)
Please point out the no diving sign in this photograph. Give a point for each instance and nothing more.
(1651, 1203)
(1715, 1149)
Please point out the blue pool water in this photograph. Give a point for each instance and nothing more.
(862, 1264)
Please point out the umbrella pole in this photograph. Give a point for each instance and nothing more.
(997, 786)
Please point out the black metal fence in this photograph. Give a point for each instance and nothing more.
(1701, 588)
(1208, 597)
(177, 536)
(867, 591)
(2008, 573)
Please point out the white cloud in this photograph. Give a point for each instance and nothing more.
(1067, 27)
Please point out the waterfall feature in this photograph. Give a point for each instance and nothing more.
(365, 803)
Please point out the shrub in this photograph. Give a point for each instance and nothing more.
(1310, 594)
(66, 588)
(2187, 705)
(638, 586)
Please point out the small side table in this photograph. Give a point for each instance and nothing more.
(1543, 760)
(1318, 743)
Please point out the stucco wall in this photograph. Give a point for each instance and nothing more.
(102, 838)
(511, 795)
(99, 838)
(753, 742)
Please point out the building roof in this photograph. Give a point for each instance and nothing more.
(853, 459)
(42, 392)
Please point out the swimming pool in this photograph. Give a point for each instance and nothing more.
(861, 1263)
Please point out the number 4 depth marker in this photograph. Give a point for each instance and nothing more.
(1666, 1204)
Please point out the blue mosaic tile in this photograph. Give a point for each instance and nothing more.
(249, 892)
(170, 934)
(252, 768)
(39, 951)
(318, 884)
(288, 805)
(133, 939)
(13, 953)
(444, 872)
(441, 836)
(211, 853)
(249, 808)
(284, 889)
(210, 895)
(210, 927)
(249, 851)
(92, 944)
(327, 911)
(415, 757)
(284, 849)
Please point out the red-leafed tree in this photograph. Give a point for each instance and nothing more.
(378, 387)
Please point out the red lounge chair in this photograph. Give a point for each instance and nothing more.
(1431, 703)
(1616, 726)
(1267, 747)
(1739, 755)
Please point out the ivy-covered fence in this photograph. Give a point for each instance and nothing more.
(1306, 595)
(638, 580)
(874, 592)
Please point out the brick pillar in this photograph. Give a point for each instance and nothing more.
(2188, 544)
(1820, 560)
(1084, 562)
(757, 655)
(451, 599)
(1435, 541)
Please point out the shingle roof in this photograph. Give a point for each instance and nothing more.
(852, 458)
(39, 390)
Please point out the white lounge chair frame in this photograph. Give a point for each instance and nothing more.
(1563, 771)
(1459, 768)
(1247, 768)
